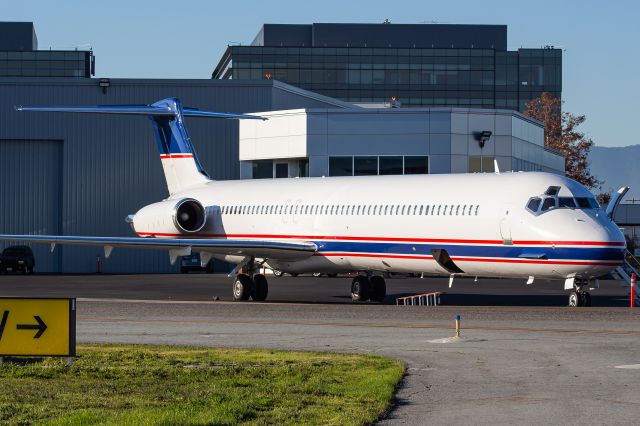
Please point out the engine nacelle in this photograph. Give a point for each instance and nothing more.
(184, 216)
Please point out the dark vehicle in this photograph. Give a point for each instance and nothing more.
(17, 258)
(192, 264)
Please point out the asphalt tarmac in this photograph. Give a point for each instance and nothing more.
(523, 357)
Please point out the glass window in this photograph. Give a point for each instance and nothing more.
(303, 167)
(475, 166)
(416, 165)
(548, 203)
(365, 166)
(262, 169)
(587, 203)
(488, 164)
(391, 165)
(533, 204)
(340, 166)
(566, 202)
(282, 170)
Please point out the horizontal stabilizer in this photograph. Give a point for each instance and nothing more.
(148, 110)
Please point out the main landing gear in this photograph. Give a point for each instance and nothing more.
(364, 288)
(579, 296)
(246, 287)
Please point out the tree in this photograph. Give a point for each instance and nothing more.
(561, 134)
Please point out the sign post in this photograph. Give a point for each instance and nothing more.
(37, 327)
(633, 289)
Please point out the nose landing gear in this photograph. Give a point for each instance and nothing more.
(579, 296)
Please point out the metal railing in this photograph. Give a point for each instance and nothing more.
(631, 266)
(425, 299)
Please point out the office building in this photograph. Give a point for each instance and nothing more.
(408, 65)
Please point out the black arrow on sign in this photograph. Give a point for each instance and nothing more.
(41, 327)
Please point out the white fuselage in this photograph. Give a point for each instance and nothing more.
(394, 224)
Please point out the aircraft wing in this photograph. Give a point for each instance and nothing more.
(183, 247)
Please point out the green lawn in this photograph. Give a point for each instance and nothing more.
(118, 384)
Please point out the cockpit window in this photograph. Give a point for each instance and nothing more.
(534, 204)
(587, 203)
(566, 202)
(549, 203)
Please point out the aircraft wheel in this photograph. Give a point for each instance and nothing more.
(277, 273)
(378, 289)
(261, 288)
(574, 299)
(585, 298)
(317, 274)
(242, 287)
(332, 275)
(360, 289)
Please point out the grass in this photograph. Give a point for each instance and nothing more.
(153, 385)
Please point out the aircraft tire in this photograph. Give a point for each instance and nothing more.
(277, 273)
(261, 288)
(360, 289)
(378, 289)
(585, 299)
(574, 299)
(317, 274)
(242, 287)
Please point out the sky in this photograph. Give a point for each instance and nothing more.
(185, 39)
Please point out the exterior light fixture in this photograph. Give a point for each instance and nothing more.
(268, 75)
(104, 83)
(482, 137)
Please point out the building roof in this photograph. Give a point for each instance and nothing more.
(383, 35)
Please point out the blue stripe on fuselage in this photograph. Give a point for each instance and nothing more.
(506, 251)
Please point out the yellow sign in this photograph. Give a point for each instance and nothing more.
(45, 327)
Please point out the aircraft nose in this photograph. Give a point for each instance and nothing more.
(605, 233)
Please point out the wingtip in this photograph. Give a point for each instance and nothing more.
(17, 107)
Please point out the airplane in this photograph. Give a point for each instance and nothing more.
(515, 225)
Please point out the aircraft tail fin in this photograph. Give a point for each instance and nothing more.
(182, 168)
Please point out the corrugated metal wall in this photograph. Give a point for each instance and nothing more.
(110, 166)
(31, 184)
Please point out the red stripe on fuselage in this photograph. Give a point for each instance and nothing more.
(165, 156)
(387, 239)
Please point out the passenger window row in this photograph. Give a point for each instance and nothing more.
(352, 210)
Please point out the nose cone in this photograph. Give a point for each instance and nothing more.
(605, 239)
